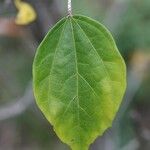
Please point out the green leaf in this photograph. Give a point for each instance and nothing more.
(79, 80)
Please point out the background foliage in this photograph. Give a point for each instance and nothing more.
(22, 126)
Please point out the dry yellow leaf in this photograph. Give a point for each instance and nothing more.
(26, 13)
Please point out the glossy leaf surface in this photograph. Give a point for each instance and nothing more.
(79, 80)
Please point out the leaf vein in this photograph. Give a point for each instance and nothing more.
(50, 53)
(54, 60)
(88, 84)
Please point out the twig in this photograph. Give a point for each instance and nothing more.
(69, 8)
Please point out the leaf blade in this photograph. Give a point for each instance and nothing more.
(82, 93)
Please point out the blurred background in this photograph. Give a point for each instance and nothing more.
(22, 126)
